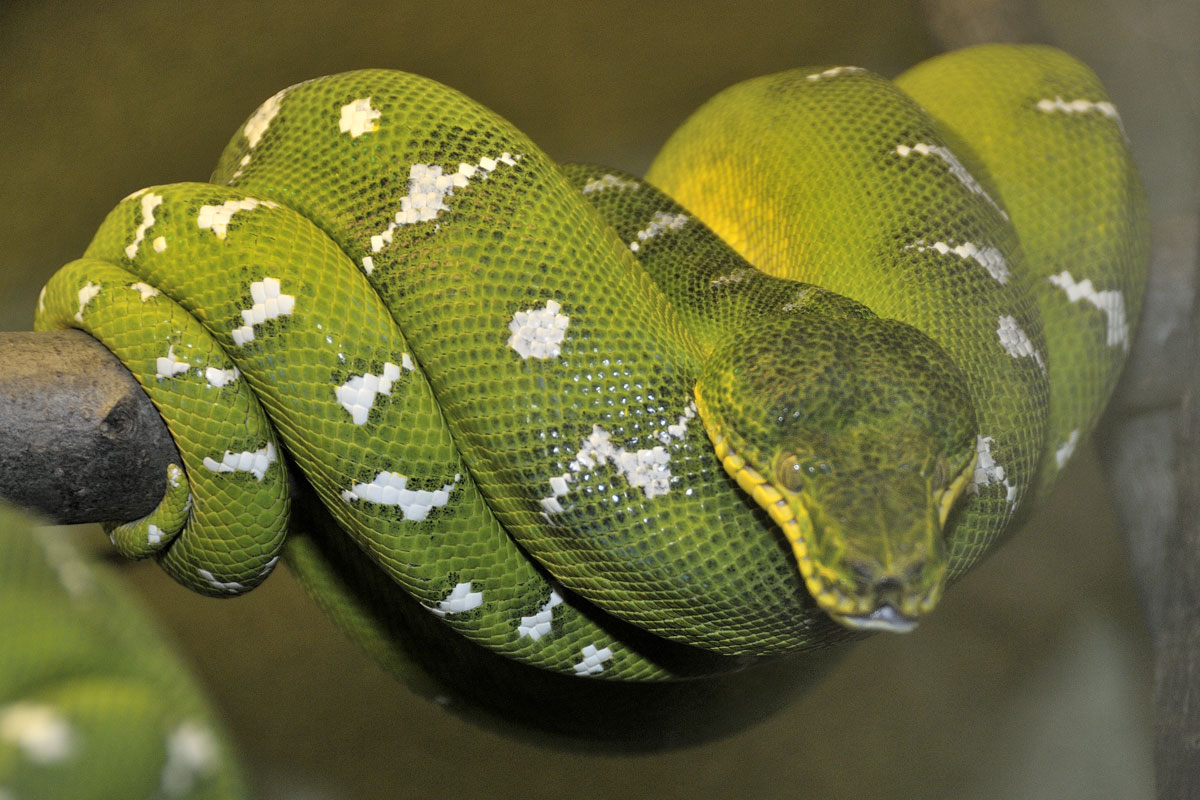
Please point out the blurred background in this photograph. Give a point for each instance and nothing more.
(1033, 680)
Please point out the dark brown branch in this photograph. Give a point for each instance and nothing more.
(79, 440)
(1152, 457)
(1176, 613)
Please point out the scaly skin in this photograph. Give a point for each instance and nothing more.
(808, 450)
(562, 413)
(93, 704)
(998, 211)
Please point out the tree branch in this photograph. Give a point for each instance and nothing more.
(81, 441)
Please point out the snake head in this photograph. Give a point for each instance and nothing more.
(857, 435)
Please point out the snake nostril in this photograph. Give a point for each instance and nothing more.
(888, 584)
(862, 572)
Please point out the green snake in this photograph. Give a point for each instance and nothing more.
(840, 338)
(93, 703)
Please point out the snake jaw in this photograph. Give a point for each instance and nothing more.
(796, 527)
(948, 497)
(885, 617)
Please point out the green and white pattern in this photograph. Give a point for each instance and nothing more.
(93, 704)
(563, 408)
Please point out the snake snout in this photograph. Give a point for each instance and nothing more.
(890, 597)
(874, 578)
(884, 581)
(886, 585)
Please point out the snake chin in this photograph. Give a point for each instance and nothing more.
(885, 617)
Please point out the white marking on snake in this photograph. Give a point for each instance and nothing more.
(737, 276)
(593, 660)
(1110, 301)
(160, 244)
(260, 120)
(358, 118)
(1067, 449)
(646, 469)
(154, 534)
(460, 599)
(988, 257)
(38, 730)
(269, 303)
(538, 332)
(428, 188)
(192, 753)
(797, 301)
(169, 366)
(538, 625)
(146, 290)
(150, 202)
(357, 395)
(256, 127)
(42, 301)
(833, 72)
(988, 471)
(216, 218)
(558, 488)
(660, 223)
(256, 462)
(1016, 342)
(608, 181)
(679, 429)
(391, 489)
(234, 587)
(219, 378)
(230, 587)
(87, 293)
(368, 265)
(956, 168)
(1057, 105)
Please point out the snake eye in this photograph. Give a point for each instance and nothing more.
(791, 473)
(794, 470)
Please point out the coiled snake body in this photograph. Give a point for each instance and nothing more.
(559, 405)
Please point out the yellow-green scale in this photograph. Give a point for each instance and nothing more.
(793, 371)
(237, 523)
(806, 190)
(1057, 153)
(338, 329)
(685, 563)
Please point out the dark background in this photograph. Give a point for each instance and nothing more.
(1033, 678)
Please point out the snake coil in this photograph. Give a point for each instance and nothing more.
(840, 338)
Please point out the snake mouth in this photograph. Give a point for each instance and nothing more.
(885, 617)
